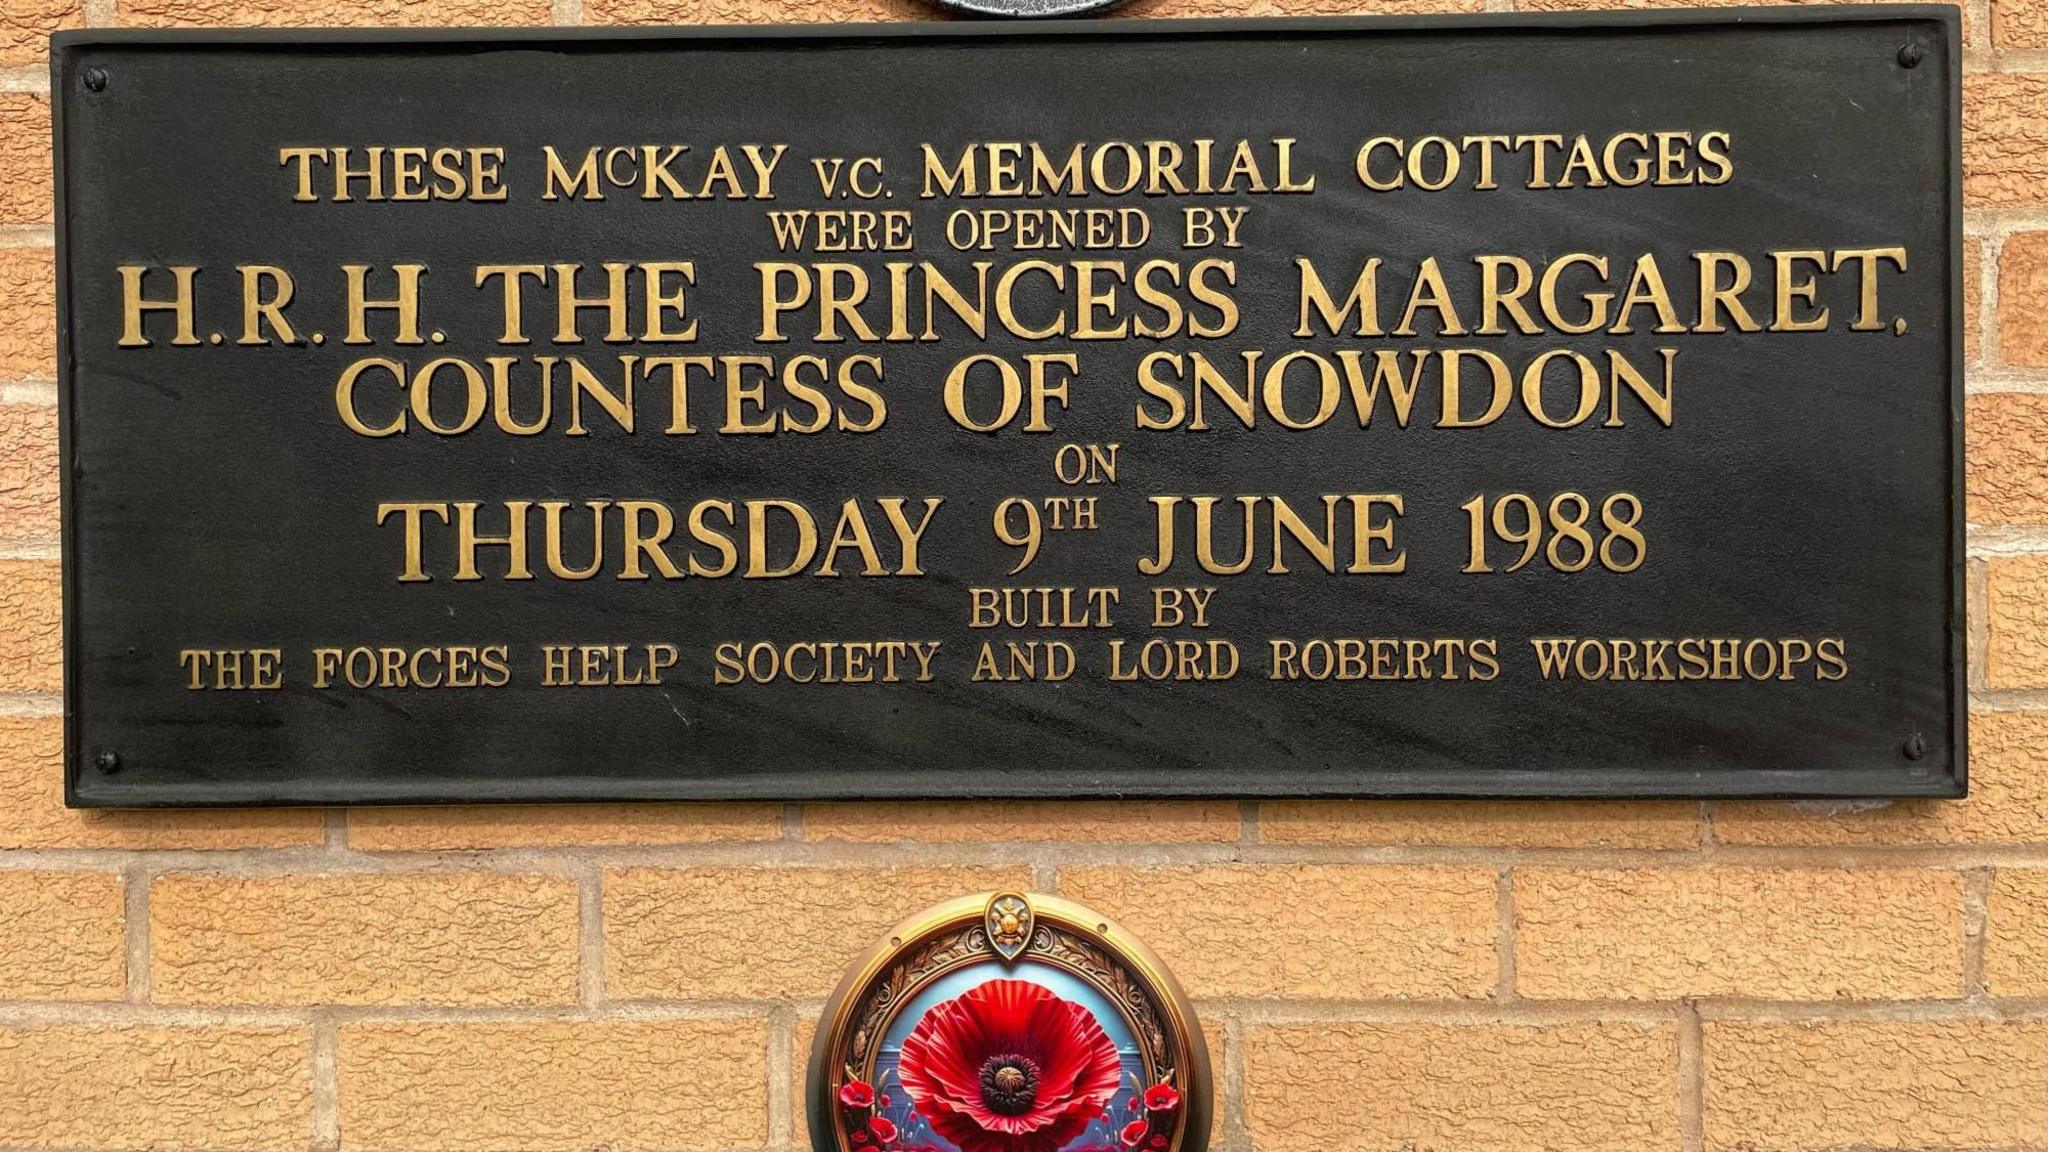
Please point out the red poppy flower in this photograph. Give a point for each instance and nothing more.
(1159, 1141)
(856, 1094)
(860, 1136)
(1161, 1098)
(1133, 1134)
(883, 1130)
(1009, 1067)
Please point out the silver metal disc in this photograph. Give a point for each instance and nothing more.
(1029, 8)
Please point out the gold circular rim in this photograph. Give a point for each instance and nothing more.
(1183, 1029)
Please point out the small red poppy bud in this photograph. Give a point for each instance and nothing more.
(1133, 1134)
(860, 1137)
(1162, 1098)
(1159, 1141)
(856, 1094)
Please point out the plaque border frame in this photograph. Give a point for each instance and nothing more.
(89, 785)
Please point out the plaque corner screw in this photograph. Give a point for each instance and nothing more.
(95, 78)
(1915, 746)
(107, 761)
(1909, 56)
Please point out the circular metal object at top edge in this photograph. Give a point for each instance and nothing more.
(1028, 9)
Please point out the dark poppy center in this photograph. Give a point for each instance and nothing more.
(1009, 1084)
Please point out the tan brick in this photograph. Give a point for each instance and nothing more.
(157, 1088)
(457, 938)
(2008, 801)
(803, 1033)
(332, 13)
(674, 1085)
(756, 933)
(1779, 934)
(32, 643)
(1976, 633)
(1789, 1086)
(25, 27)
(1212, 1040)
(1316, 931)
(32, 812)
(2017, 597)
(63, 933)
(2005, 139)
(2019, 24)
(2005, 466)
(754, 11)
(28, 471)
(1973, 296)
(558, 825)
(1520, 824)
(1345, 1087)
(2023, 300)
(28, 314)
(25, 174)
(2016, 933)
(1085, 821)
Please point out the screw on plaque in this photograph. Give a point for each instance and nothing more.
(1916, 746)
(95, 78)
(108, 760)
(1909, 56)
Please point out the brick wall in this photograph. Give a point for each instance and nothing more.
(1471, 977)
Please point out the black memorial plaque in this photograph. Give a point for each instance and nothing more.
(1590, 385)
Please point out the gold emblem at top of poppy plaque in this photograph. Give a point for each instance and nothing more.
(1009, 921)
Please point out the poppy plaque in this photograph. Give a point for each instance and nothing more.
(1009, 1022)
